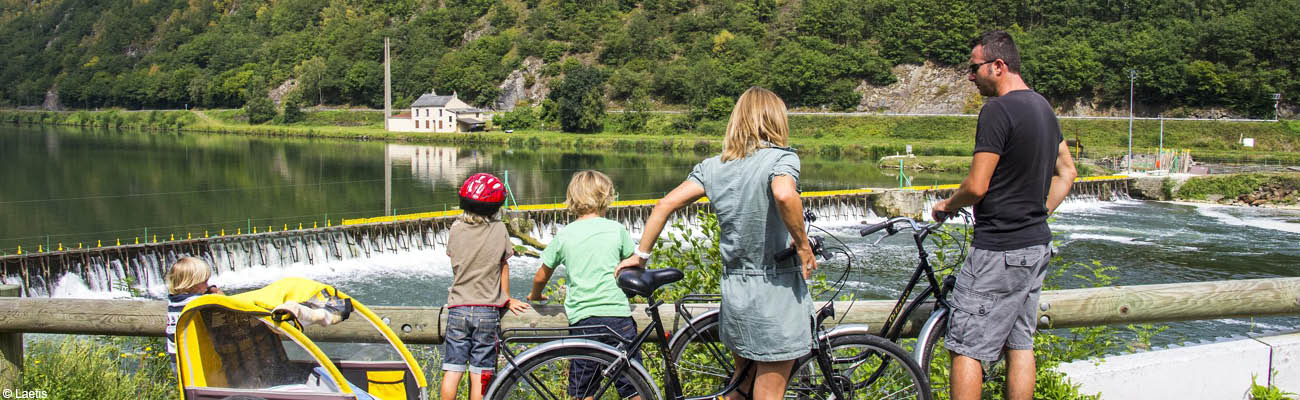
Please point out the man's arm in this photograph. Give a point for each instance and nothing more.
(1062, 178)
(975, 185)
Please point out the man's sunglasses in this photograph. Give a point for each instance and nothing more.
(976, 67)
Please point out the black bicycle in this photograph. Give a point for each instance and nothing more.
(933, 299)
(858, 364)
(862, 365)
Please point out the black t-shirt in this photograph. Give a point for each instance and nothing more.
(1021, 128)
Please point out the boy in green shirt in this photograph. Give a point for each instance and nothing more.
(589, 248)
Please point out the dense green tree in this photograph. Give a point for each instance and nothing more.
(522, 117)
(169, 53)
(719, 108)
(259, 109)
(579, 99)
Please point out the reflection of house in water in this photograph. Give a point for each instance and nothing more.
(436, 165)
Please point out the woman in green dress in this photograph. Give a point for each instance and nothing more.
(753, 187)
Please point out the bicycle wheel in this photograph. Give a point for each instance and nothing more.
(546, 376)
(935, 359)
(703, 362)
(939, 360)
(868, 367)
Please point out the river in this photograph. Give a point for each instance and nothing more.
(83, 186)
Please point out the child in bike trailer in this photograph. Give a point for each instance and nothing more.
(589, 248)
(187, 279)
(479, 248)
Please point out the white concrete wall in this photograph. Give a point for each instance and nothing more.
(400, 125)
(1210, 371)
(1286, 361)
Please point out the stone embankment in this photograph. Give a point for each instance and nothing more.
(1249, 189)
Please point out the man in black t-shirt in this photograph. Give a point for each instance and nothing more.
(1020, 173)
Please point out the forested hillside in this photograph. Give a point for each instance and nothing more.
(219, 53)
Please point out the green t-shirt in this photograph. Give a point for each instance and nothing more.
(589, 250)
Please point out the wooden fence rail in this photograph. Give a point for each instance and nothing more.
(424, 325)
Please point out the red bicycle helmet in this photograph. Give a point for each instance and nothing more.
(482, 194)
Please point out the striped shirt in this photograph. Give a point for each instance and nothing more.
(176, 303)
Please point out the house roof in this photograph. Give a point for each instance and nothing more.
(469, 121)
(402, 115)
(431, 100)
(466, 110)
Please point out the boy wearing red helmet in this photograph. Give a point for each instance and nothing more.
(479, 248)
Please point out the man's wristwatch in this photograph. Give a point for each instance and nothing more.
(644, 255)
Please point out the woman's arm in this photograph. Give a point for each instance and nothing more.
(788, 204)
(686, 193)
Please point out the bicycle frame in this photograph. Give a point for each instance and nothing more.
(893, 326)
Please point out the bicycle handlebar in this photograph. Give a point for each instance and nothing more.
(914, 225)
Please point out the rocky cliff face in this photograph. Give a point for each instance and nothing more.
(517, 86)
(922, 89)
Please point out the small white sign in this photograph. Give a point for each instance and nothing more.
(909, 149)
(1248, 142)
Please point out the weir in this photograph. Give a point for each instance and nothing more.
(118, 267)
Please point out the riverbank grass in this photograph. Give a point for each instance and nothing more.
(93, 368)
(1271, 188)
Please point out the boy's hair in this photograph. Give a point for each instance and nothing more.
(590, 192)
(759, 116)
(186, 273)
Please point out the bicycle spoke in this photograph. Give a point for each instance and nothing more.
(539, 386)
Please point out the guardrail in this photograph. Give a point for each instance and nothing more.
(425, 325)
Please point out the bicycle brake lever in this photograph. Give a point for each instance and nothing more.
(882, 237)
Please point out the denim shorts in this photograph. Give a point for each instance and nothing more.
(582, 373)
(996, 301)
(471, 342)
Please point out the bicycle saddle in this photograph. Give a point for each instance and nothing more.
(643, 282)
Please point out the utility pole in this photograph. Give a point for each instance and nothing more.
(1132, 75)
(1161, 153)
(388, 87)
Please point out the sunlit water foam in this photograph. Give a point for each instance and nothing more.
(1221, 214)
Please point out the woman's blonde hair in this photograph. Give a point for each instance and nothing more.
(759, 116)
(186, 273)
(590, 192)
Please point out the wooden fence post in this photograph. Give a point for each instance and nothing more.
(11, 349)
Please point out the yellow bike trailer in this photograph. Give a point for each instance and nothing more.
(252, 345)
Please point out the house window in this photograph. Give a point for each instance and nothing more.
(439, 112)
(439, 124)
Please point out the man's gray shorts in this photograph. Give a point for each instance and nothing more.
(996, 301)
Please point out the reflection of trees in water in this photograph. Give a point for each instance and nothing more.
(97, 184)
